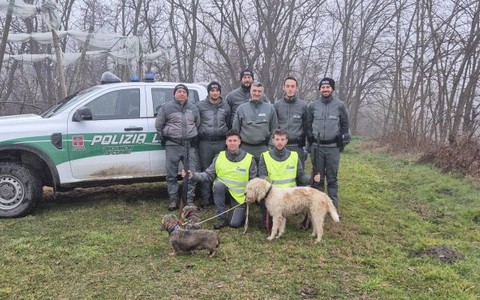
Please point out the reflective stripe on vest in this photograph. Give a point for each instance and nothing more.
(282, 173)
(234, 175)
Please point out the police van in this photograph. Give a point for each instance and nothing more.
(100, 136)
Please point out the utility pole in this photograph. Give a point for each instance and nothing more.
(62, 92)
(81, 65)
(140, 58)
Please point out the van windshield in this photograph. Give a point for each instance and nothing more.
(67, 102)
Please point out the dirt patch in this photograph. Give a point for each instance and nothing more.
(446, 191)
(443, 253)
(308, 292)
(127, 191)
(476, 218)
(124, 219)
(427, 214)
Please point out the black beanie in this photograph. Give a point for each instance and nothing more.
(328, 81)
(180, 86)
(246, 72)
(214, 85)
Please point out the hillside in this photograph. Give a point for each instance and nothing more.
(407, 231)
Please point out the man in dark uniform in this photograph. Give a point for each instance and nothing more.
(177, 126)
(215, 118)
(292, 117)
(255, 121)
(242, 94)
(328, 132)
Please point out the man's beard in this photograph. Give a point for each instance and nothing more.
(326, 95)
(247, 87)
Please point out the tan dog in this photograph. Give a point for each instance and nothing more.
(283, 202)
(189, 240)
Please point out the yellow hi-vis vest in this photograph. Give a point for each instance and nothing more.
(234, 175)
(282, 173)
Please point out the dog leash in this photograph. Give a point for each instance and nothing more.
(246, 220)
(206, 220)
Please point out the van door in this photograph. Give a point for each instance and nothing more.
(112, 144)
(158, 96)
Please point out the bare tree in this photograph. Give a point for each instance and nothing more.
(184, 33)
(401, 66)
(263, 35)
(360, 42)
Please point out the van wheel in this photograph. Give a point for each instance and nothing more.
(20, 190)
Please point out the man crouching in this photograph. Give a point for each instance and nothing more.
(230, 172)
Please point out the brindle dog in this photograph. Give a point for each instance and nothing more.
(188, 240)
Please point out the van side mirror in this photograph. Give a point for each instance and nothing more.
(83, 113)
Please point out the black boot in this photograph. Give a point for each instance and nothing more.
(173, 205)
(204, 202)
(221, 222)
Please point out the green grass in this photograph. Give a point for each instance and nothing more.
(106, 244)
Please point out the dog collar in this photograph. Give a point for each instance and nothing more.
(268, 192)
(173, 228)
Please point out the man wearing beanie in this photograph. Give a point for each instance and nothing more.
(177, 122)
(328, 133)
(242, 94)
(215, 119)
(180, 86)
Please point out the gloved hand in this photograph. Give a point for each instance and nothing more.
(163, 141)
(310, 139)
(301, 141)
(346, 139)
(339, 140)
(343, 141)
(195, 142)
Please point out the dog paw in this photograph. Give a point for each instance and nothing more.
(270, 238)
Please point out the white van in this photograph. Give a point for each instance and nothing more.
(100, 136)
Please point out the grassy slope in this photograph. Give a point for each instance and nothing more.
(106, 244)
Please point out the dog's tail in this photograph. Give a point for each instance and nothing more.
(332, 210)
